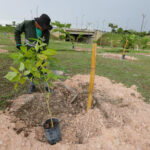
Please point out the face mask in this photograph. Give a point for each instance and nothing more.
(38, 33)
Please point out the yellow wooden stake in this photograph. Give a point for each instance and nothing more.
(92, 76)
(124, 49)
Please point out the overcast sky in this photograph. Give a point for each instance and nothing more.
(80, 13)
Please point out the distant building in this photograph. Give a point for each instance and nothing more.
(87, 35)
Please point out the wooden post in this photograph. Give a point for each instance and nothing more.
(124, 49)
(92, 76)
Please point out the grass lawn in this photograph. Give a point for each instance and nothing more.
(72, 62)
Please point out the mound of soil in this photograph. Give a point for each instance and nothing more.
(119, 119)
(61, 105)
(117, 56)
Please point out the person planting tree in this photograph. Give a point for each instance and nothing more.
(33, 29)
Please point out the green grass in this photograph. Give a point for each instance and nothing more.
(4, 40)
(127, 72)
(6, 87)
(60, 45)
(119, 50)
(6, 29)
(64, 46)
(7, 42)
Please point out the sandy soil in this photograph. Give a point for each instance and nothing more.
(117, 56)
(1, 45)
(144, 54)
(107, 48)
(3, 51)
(119, 120)
(80, 49)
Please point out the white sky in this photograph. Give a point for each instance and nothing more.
(80, 13)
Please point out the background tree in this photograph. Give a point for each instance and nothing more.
(143, 42)
(79, 37)
(120, 30)
(61, 28)
(132, 39)
(113, 27)
(113, 30)
(14, 23)
(63, 34)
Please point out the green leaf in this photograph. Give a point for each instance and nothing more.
(29, 64)
(43, 44)
(44, 70)
(49, 52)
(21, 68)
(26, 72)
(16, 86)
(10, 76)
(17, 78)
(16, 56)
(29, 54)
(39, 63)
(33, 39)
(14, 69)
(45, 64)
(51, 76)
(37, 47)
(37, 75)
(36, 82)
(22, 80)
(34, 69)
(23, 49)
(42, 56)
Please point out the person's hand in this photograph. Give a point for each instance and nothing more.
(18, 46)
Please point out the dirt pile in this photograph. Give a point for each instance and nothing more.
(62, 104)
(117, 56)
(122, 115)
(119, 118)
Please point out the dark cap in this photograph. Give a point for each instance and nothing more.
(44, 21)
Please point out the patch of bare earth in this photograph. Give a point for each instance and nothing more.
(107, 48)
(80, 49)
(117, 56)
(118, 120)
(3, 51)
(1, 45)
(144, 54)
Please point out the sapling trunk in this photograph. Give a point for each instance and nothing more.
(50, 113)
(72, 45)
(47, 98)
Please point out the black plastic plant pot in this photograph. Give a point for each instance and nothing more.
(53, 134)
(123, 56)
